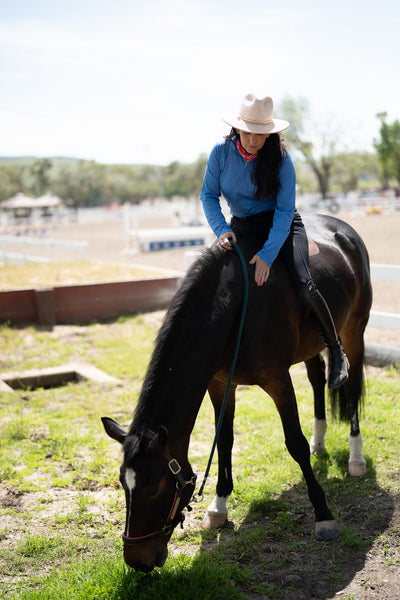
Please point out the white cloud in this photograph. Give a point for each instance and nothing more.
(148, 82)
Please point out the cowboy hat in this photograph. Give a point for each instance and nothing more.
(255, 116)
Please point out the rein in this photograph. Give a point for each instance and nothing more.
(171, 520)
(173, 464)
(233, 364)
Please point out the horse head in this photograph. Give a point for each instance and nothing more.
(156, 493)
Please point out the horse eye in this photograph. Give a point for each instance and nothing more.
(151, 490)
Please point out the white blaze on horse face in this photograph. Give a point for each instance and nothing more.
(130, 481)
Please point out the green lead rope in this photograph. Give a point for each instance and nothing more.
(233, 364)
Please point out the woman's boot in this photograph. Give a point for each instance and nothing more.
(321, 315)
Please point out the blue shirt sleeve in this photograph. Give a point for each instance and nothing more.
(211, 191)
(227, 174)
(284, 211)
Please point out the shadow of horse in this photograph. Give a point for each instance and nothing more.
(274, 539)
(272, 554)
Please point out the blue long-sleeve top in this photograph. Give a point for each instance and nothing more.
(228, 174)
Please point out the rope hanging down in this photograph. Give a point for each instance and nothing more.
(233, 364)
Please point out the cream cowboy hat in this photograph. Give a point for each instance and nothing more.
(255, 116)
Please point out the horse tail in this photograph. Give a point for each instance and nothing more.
(349, 397)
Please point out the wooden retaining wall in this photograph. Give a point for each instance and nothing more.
(85, 303)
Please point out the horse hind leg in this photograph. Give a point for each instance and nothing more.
(317, 376)
(217, 512)
(350, 395)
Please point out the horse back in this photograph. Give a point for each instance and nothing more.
(279, 329)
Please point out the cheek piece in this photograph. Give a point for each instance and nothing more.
(173, 517)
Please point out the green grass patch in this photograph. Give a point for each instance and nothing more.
(62, 511)
(105, 578)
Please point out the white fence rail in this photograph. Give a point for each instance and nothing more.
(48, 247)
(385, 320)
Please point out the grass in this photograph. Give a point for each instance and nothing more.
(68, 273)
(62, 511)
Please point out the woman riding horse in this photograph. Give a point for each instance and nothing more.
(253, 170)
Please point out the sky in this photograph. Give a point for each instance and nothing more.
(146, 82)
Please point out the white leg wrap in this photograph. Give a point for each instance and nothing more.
(357, 464)
(317, 444)
(217, 513)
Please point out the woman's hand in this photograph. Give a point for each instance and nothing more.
(262, 270)
(224, 240)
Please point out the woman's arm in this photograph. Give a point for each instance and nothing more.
(211, 192)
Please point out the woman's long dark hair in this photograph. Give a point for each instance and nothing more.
(268, 163)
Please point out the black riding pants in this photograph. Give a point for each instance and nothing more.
(294, 252)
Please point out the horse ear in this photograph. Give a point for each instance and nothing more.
(114, 430)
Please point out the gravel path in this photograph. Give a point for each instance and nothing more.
(379, 232)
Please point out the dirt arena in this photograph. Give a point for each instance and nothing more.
(380, 233)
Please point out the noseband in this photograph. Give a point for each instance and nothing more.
(181, 484)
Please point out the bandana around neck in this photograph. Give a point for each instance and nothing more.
(246, 155)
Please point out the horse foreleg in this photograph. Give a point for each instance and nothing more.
(316, 374)
(217, 512)
(283, 395)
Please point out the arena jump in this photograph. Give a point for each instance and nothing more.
(149, 240)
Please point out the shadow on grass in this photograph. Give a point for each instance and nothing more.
(273, 554)
(276, 540)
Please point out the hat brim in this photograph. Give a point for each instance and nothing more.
(274, 126)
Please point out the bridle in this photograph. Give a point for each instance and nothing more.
(172, 518)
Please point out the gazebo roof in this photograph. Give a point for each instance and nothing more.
(23, 201)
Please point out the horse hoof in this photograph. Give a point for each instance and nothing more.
(214, 520)
(357, 468)
(317, 449)
(325, 531)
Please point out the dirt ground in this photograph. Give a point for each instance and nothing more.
(380, 233)
(372, 574)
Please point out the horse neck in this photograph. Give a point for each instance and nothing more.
(189, 346)
(172, 394)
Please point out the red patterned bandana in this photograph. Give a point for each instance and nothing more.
(247, 157)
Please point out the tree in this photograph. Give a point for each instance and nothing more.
(12, 180)
(388, 148)
(354, 168)
(40, 172)
(320, 159)
(81, 185)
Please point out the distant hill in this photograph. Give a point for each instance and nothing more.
(26, 160)
(59, 161)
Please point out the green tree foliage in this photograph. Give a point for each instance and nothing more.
(40, 172)
(87, 183)
(12, 180)
(318, 152)
(354, 170)
(388, 149)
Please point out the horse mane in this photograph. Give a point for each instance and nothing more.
(193, 299)
(190, 296)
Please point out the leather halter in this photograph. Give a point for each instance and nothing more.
(181, 484)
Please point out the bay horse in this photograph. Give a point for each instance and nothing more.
(193, 353)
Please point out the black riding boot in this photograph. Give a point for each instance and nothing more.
(321, 315)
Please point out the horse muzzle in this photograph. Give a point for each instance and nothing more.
(145, 559)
